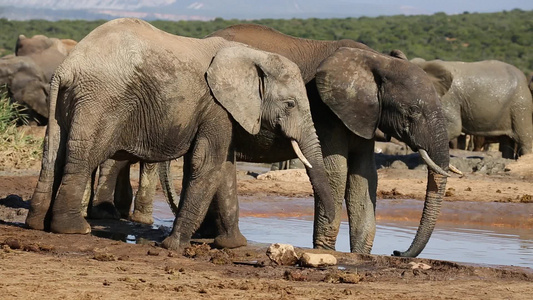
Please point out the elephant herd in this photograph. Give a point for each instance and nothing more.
(129, 92)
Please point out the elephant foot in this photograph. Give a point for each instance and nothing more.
(35, 220)
(324, 243)
(104, 210)
(175, 243)
(230, 241)
(141, 217)
(70, 224)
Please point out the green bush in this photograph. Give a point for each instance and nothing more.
(17, 149)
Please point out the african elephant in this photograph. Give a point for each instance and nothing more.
(129, 91)
(485, 98)
(46, 52)
(376, 90)
(26, 84)
(353, 90)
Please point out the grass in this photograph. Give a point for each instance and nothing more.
(18, 150)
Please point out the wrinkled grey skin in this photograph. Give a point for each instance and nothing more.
(406, 107)
(129, 91)
(352, 91)
(26, 84)
(486, 98)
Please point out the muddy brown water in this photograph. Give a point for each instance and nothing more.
(492, 233)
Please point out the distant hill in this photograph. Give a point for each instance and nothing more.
(227, 9)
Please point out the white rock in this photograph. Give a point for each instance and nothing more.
(282, 254)
(415, 265)
(317, 260)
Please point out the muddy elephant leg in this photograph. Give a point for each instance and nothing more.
(361, 196)
(103, 206)
(202, 174)
(88, 195)
(123, 196)
(144, 198)
(52, 169)
(225, 209)
(334, 150)
(66, 212)
(507, 147)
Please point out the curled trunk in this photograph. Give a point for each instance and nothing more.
(436, 187)
(438, 155)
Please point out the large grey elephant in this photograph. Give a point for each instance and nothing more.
(486, 98)
(353, 90)
(26, 84)
(129, 91)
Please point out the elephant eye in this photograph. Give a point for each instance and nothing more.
(290, 103)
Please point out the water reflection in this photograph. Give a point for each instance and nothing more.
(454, 244)
(492, 233)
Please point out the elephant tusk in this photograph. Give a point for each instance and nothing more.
(431, 164)
(455, 170)
(300, 154)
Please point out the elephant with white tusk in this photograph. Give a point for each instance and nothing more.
(129, 91)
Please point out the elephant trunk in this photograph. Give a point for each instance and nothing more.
(310, 148)
(438, 153)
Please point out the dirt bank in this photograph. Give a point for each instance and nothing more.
(36, 264)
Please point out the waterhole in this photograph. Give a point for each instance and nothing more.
(488, 233)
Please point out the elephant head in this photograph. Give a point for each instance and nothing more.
(276, 101)
(47, 52)
(388, 92)
(26, 84)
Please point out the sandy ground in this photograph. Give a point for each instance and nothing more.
(41, 265)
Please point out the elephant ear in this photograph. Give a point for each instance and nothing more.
(440, 77)
(398, 54)
(236, 80)
(346, 84)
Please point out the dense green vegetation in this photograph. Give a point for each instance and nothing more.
(505, 36)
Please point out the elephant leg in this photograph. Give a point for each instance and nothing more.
(102, 205)
(88, 195)
(66, 213)
(123, 192)
(335, 154)
(361, 197)
(52, 169)
(202, 174)
(507, 147)
(144, 198)
(225, 209)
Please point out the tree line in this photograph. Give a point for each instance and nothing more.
(505, 36)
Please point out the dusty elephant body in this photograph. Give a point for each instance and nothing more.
(486, 98)
(168, 97)
(353, 90)
(26, 84)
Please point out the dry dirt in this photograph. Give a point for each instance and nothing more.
(41, 265)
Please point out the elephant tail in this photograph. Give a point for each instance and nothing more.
(168, 188)
(51, 165)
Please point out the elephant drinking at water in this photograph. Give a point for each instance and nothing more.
(129, 91)
(353, 90)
